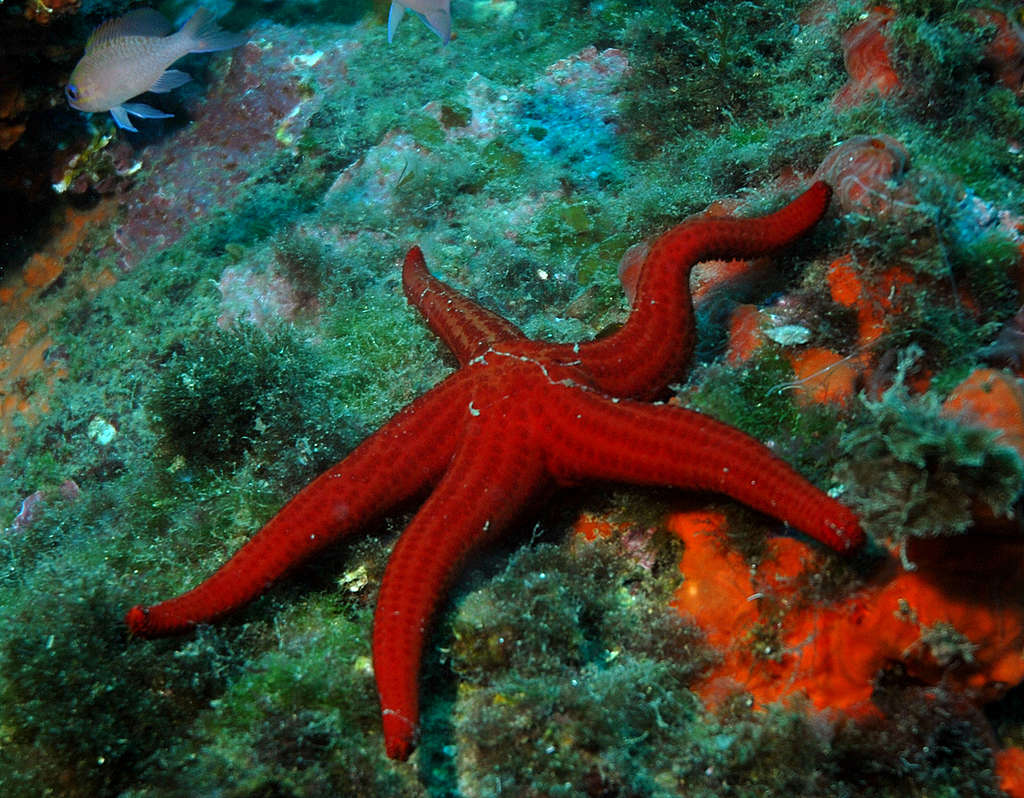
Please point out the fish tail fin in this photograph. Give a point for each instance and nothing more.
(439, 20)
(395, 14)
(205, 36)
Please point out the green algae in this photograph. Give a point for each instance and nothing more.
(356, 113)
(274, 197)
(308, 260)
(967, 266)
(390, 356)
(914, 472)
(748, 396)
(502, 160)
(303, 718)
(83, 710)
(940, 57)
(239, 391)
(572, 662)
(705, 65)
(568, 671)
(427, 131)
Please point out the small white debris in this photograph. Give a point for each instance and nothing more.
(307, 60)
(354, 580)
(101, 431)
(789, 334)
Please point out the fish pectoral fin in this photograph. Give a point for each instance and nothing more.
(171, 79)
(395, 14)
(120, 114)
(121, 119)
(144, 111)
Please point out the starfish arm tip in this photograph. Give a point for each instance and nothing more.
(843, 533)
(399, 734)
(137, 619)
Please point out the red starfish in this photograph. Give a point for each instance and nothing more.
(517, 416)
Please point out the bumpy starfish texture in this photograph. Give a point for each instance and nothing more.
(518, 417)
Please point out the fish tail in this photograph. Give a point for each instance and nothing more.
(203, 35)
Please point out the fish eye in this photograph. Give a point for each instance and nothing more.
(71, 91)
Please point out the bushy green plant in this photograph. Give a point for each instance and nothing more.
(245, 390)
(914, 472)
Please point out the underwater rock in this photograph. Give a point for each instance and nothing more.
(993, 399)
(865, 173)
(1010, 771)
(957, 620)
(1004, 53)
(260, 103)
(824, 376)
(866, 56)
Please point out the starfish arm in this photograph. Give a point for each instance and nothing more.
(467, 328)
(652, 348)
(593, 437)
(493, 476)
(397, 462)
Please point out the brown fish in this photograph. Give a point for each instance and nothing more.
(129, 55)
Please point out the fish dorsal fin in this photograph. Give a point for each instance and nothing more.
(140, 22)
